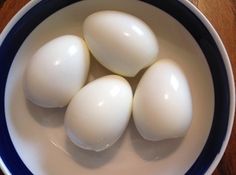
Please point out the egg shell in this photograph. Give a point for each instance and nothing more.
(162, 106)
(121, 42)
(57, 71)
(99, 113)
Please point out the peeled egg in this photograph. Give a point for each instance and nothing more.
(99, 113)
(57, 71)
(121, 42)
(162, 106)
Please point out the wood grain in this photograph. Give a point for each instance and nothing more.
(222, 15)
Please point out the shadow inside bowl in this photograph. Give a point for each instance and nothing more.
(92, 159)
(150, 150)
(96, 70)
(47, 117)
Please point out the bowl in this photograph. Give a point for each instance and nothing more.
(33, 140)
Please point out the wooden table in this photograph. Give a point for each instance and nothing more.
(221, 13)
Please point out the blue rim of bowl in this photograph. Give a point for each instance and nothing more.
(176, 9)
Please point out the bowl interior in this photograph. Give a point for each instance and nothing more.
(38, 134)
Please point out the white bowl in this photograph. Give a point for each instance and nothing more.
(33, 140)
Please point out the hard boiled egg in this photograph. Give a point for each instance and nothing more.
(121, 42)
(162, 107)
(57, 71)
(99, 113)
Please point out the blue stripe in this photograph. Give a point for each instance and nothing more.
(45, 8)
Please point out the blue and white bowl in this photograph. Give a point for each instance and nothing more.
(32, 139)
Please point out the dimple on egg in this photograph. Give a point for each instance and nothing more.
(162, 106)
(99, 113)
(121, 42)
(57, 71)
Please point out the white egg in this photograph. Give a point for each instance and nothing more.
(99, 113)
(121, 42)
(162, 106)
(57, 71)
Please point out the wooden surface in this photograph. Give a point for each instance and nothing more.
(222, 15)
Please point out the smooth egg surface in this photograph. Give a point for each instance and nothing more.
(162, 107)
(121, 42)
(99, 113)
(57, 71)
